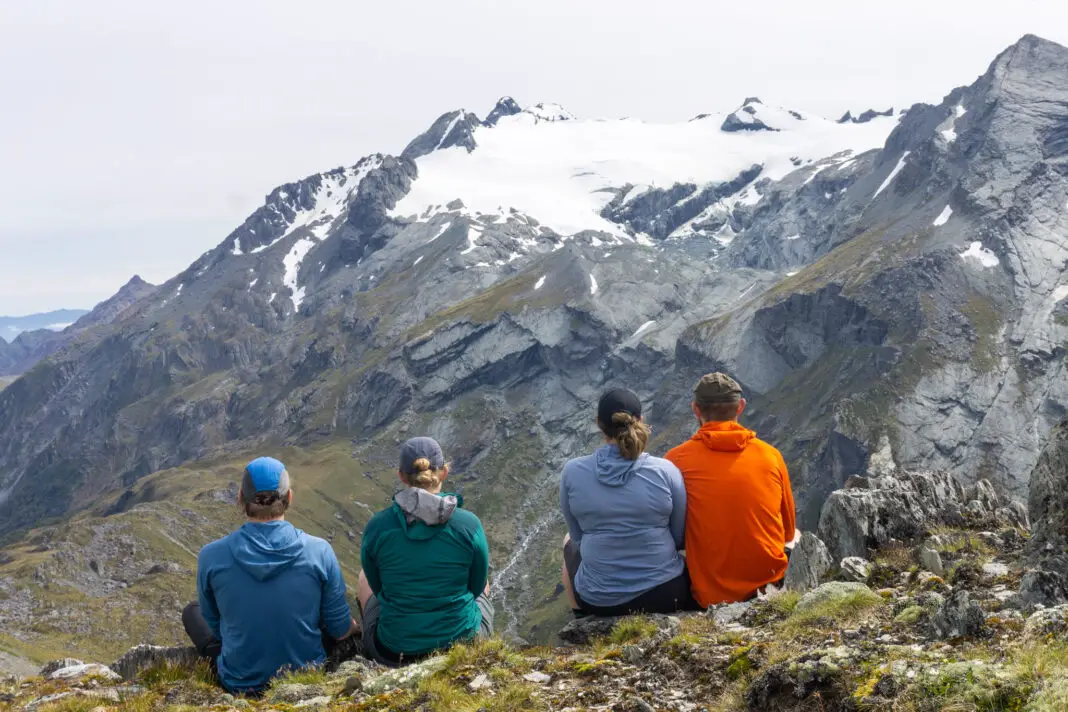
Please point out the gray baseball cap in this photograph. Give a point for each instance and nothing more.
(419, 448)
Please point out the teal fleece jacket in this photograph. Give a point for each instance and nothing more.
(426, 559)
(268, 591)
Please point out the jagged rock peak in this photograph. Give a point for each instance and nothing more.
(1027, 61)
(454, 128)
(549, 112)
(865, 116)
(754, 115)
(506, 106)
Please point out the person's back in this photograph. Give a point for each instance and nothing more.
(625, 512)
(623, 509)
(267, 593)
(740, 508)
(425, 565)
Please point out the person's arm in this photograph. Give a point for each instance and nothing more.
(573, 528)
(677, 520)
(478, 576)
(370, 568)
(209, 609)
(334, 608)
(789, 512)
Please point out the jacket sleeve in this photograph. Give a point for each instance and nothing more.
(573, 528)
(479, 573)
(367, 562)
(209, 609)
(677, 520)
(336, 618)
(789, 511)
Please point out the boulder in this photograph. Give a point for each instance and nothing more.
(809, 562)
(404, 678)
(1047, 550)
(1043, 588)
(901, 507)
(855, 568)
(84, 670)
(830, 592)
(143, 657)
(295, 693)
(1047, 622)
(583, 631)
(931, 560)
(727, 613)
(958, 617)
(53, 665)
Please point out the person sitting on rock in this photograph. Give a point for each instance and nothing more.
(740, 515)
(269, 595)
(626, 513)
(424, 583)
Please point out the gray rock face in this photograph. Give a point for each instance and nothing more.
(745, 118)
(144, 657)
(931, 560)
(1048, 504)
(855, 568)
(902, 507)
(1047, 623)
(865, 116)
(809, 562)
(1043, 588)
(451, 129)
(506, 106)
(958, 617)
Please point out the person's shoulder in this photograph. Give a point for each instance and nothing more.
(314, 544)
(215, 552)
(680, 449)
(580, 464)
(380, 520)
(768, 450)
(662, 465)
(465, 519)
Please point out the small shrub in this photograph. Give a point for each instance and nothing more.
(168, 673)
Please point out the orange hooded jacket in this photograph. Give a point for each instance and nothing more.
(739, 511)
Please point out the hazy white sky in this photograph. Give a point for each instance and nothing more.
(135, 135)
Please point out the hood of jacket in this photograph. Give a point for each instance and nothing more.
(724, 436)
(612, 468)
(422, 514)
(265, 549)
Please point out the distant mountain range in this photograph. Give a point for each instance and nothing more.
(12, 326)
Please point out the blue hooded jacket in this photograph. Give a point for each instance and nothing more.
(268, 591)
(628, 518)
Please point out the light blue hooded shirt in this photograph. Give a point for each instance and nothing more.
(629, 519)
(268, 591)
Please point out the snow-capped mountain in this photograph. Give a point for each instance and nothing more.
(893, 282)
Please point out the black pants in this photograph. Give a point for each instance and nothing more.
(669, 597)
(209, 647)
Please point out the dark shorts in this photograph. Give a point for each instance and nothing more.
(669, 597)
(373, 648)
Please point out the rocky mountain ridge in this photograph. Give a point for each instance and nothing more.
(890, 287)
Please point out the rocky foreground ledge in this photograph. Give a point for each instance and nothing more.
(919, 595)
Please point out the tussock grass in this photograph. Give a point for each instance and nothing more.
(486, 654)
(632, 629)
(168, 673)
(300, 676)
(846, 610)
(784, 602)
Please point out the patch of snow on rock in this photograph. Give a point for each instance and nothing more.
(291, 262)
(893, 173)
(417, 260)
(540, 283)
(943, 217)
(593, 284)
(977, 252)
(643, 328)
(473, 233)
(793, 237)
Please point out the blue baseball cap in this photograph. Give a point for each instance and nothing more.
(264, 474)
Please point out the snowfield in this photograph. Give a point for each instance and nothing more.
(563, 171)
